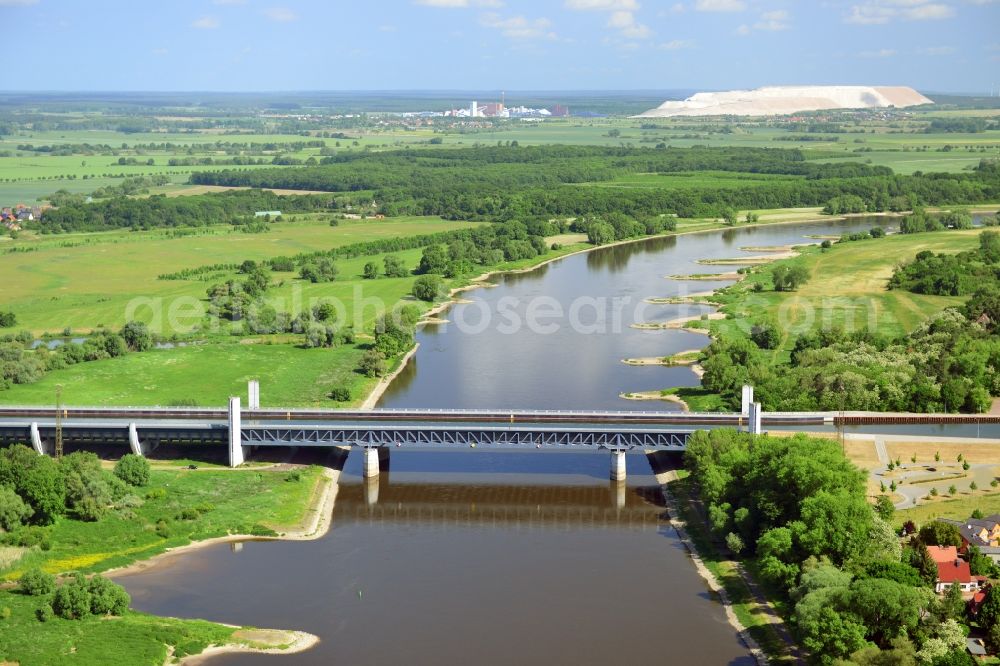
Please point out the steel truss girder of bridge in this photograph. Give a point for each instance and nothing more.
(431, 437)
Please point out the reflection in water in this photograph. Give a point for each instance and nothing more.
(483, 560)
(576, 364)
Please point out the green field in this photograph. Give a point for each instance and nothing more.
(123, 537)
(134, 638)
(82, 281)
(847, 287)
(281, 502)
(205, 374)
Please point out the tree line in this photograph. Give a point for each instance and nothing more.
(798, 507)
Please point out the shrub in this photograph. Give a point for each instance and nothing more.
(295, 475)
(137, 337)
(156, 493)
(734, 543)
(132, 469)
(162, 529)
(72, 600)
(428, 287)
(189, 514)
(106, 597)
(36, 583)
(341, 394)
(373, 363)
(13, 511)
(8, 319)
(44, 613)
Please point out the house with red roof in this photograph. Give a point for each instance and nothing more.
(956, 572)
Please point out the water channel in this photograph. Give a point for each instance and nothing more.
(492, 557)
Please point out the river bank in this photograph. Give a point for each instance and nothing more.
(317, 524)
(484, 280)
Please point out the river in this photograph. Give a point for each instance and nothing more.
(494, 557)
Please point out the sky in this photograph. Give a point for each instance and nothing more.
(274, 45)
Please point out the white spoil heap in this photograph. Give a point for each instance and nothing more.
(784, 100)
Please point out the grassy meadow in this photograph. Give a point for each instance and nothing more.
(281, 502)
(847, 287)
(82, 281)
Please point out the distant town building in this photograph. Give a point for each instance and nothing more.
(560, 111)
(983, 533)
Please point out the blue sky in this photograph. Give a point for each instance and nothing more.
(262, 45)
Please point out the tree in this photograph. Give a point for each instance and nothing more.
(88, 492)
(921, 559)
(734, 543)
(36, 479)
(71, 600)
(884, 507)
(765, 335)
(36, 583)
(428, 287)
(106, 597)
(600, 233)
(887, 608)
(989, 611)
(133, 469)
(8, 319)
(434, 259)
(953, 605)
(937, 533)
(13, 510)
(371, 271)
(136, 336)
(394, 267)
(730, 217)
(373, 363)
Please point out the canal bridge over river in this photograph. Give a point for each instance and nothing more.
(376, 432)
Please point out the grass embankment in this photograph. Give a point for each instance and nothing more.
(218, 498)
(178, 507)
(134, 638)
(726, 572)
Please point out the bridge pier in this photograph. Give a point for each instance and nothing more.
(138, 448)
(36, 440)
(618, 465)
(754, 425)
(371, 467)
(237, 454)
(371, 490)
(618, 491)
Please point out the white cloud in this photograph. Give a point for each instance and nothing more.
(630, 28)
(720, 5)
(881, 53)
(775, 20)
(743, 30)
(280, 14)
(603, 5)
(936, 50)
(519, 27)
(880, 12)
(676, 45)
(622, 16)
(206, 23)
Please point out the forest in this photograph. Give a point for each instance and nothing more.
(515, 182)
(856, 595)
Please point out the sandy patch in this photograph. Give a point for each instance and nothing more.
(263, 641)
(680, 322)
